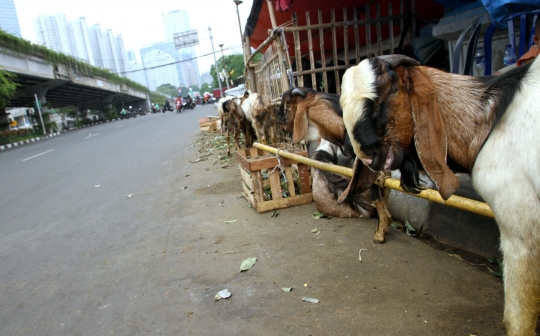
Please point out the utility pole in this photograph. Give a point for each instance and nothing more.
(38, 105)
(215, 61)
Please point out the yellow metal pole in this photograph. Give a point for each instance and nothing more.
(459, 202)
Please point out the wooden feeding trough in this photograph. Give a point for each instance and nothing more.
(208, 124)
(260, 171)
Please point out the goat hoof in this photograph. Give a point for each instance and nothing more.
(378, 239)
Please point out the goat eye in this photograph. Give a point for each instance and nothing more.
(394, 90)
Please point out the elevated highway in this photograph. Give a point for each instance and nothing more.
(62, 85)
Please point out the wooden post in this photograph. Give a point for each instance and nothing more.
(334, 47)
(368, 33)
(279, 44)
(356, 36)
(379, 34)
(252, 79)
(311, 57)
(323, 55)
(391, 27)
(297, 51)
(346, 37)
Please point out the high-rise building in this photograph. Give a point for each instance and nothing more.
(206, 78)
(88, 44)
(177, 22)
(166, 48)
(9, 22)
(160, 69)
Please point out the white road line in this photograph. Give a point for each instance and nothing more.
(37, 155)
(91, 136)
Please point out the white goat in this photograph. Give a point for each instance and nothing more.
(489, 126)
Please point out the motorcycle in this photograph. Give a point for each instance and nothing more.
(142, 112)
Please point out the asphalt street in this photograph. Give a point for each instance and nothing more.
(65, 201)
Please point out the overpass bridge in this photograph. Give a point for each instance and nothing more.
(62, 85)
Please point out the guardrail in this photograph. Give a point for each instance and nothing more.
(454, 201)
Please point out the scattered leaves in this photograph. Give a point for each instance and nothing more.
(310, 300)
(314, 230)
(247, 264)
(129, 196)
(318, 215)
(224, 294)
(230, 221)
(275, 214)
(286, 289)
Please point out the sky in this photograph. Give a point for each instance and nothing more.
(139, 21)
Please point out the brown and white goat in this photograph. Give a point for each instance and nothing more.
(400, 115)
(259, 111)
(232, 120)
(327, 187)
(313, 115)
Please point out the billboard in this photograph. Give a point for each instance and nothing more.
(186, 39)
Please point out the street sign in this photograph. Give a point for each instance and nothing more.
(186, 39)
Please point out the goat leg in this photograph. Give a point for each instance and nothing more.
(380, 196)
(236, 140)
(228, 143)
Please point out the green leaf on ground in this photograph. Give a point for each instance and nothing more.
(318, 215)
(310, 300)
(247, 264)
(286, 289)
(275, 214)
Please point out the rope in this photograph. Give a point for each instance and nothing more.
(280, 165)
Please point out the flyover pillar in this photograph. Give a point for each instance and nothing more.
(108, 110)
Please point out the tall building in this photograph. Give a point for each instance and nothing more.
(160, 69)
(165, 48)
(9, 22)
(206, 78)
(88, 44)
(177, 22)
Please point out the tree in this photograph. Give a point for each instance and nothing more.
(167, 89)
(7, 90)
(233, 65)
(206, 88)
(195, 88)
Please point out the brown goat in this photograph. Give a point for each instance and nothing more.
(400, 115)
(258, 109)
(313, 115)
(233, 120)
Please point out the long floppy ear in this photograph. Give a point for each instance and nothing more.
(362, 179)
(301, 122)
(430, 137)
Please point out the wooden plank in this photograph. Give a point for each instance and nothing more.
(297, 50)
(246, 177)
(284, 203)
(254, 153)
(311, 56)
(379, 34)
(339, 24)
(257, 187)
(334, 48)
(323, 55)
(290, 181)
(305, 181)
(357, 36)
(275, 184)
(368, 32)
(391, 27)
(270, 163)
(242, 160)
(248, 195)
(346, 37)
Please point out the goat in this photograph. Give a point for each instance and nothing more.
(232, 120)
(400, 115)
(327, 187)
(259, 110)
(312, 115)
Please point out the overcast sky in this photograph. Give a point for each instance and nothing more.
(139, 21)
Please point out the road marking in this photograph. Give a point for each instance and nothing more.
(91, 136)
(37, 155)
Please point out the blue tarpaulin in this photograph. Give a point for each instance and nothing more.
(500, 10)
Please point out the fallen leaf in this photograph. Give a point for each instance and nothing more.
(247, 264)
(314, 230)
(305, 285)
(286, 289)
(129, 196)
(231, 221)
(318, 215)
(275, 214)
(97, 186)
(224, 294)
(310, 300)
(184, 188)
(457, 256)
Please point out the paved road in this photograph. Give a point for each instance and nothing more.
(59, 230)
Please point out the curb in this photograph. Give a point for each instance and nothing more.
(28, 141)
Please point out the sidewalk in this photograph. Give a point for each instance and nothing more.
(403, 287)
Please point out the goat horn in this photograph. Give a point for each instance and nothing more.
(397, 60)
(298, 92)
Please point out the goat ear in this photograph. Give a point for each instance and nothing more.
(430, 137)
(301, 123)
(246, 94)
(362, 179)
